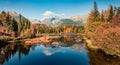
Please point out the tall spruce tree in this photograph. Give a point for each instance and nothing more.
(117, 11)
(111, 13)
(102, 16)
(8, 18)
(95, 12)
(14, 25)
(20, 23)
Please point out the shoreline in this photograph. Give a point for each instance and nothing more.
(48, 40)
(88, 43)
(35, 40)
(43, 39)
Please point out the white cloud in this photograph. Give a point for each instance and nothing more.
(50, 13)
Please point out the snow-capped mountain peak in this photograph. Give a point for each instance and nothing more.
(12, 13)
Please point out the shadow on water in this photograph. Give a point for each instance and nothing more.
(100, 58)
(3, 43)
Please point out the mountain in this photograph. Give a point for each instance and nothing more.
(80, 18)
(71, 22)
(15, 15)
(56, 21)
(53, 21)
(76, 18)
(68, 22)
(12, 13)
(10, 22)
(35, 21)
(47, 21)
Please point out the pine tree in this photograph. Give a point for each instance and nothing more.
(90, 17)
(3, 14)
(8, 18)
(102, 17)
(1, 23)
(14, 26)
(111, 13)
(20, 23)
(117, 11)
(95, 12)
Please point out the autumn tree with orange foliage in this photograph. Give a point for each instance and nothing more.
(105, 32)
(93, 21)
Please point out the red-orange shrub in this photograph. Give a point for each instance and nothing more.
(108, 39)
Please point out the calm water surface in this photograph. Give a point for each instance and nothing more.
(50, 55)
(70, 51)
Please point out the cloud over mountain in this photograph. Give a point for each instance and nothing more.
(50, 13)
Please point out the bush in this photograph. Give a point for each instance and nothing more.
(99, 33)
(90, 28)
(111, 41)
(27, 34)
(107, 38)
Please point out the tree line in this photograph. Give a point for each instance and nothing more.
(11, 25)
(21, 26)
(103, 28)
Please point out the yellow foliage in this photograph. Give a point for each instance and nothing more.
(90, 28)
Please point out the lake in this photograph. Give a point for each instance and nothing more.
(70, 51)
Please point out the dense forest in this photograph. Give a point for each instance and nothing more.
(21, 27)
(103, 28)
(9, 25)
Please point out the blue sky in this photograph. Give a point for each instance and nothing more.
(38, 9)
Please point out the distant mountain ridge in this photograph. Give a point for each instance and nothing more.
(53, 21)
(35, 21)
(12, 13)
(76, 18)
(11, 23)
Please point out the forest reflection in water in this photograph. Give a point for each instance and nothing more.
(20, 53)
(15, 53)
(100, 58)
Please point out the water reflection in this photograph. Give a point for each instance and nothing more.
(51, 50)
(66, 53)
(99, 58)
(10, 50)
(69, 51)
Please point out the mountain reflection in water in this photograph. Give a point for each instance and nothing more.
(69, 51)
(40, 54)
(66, 53)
